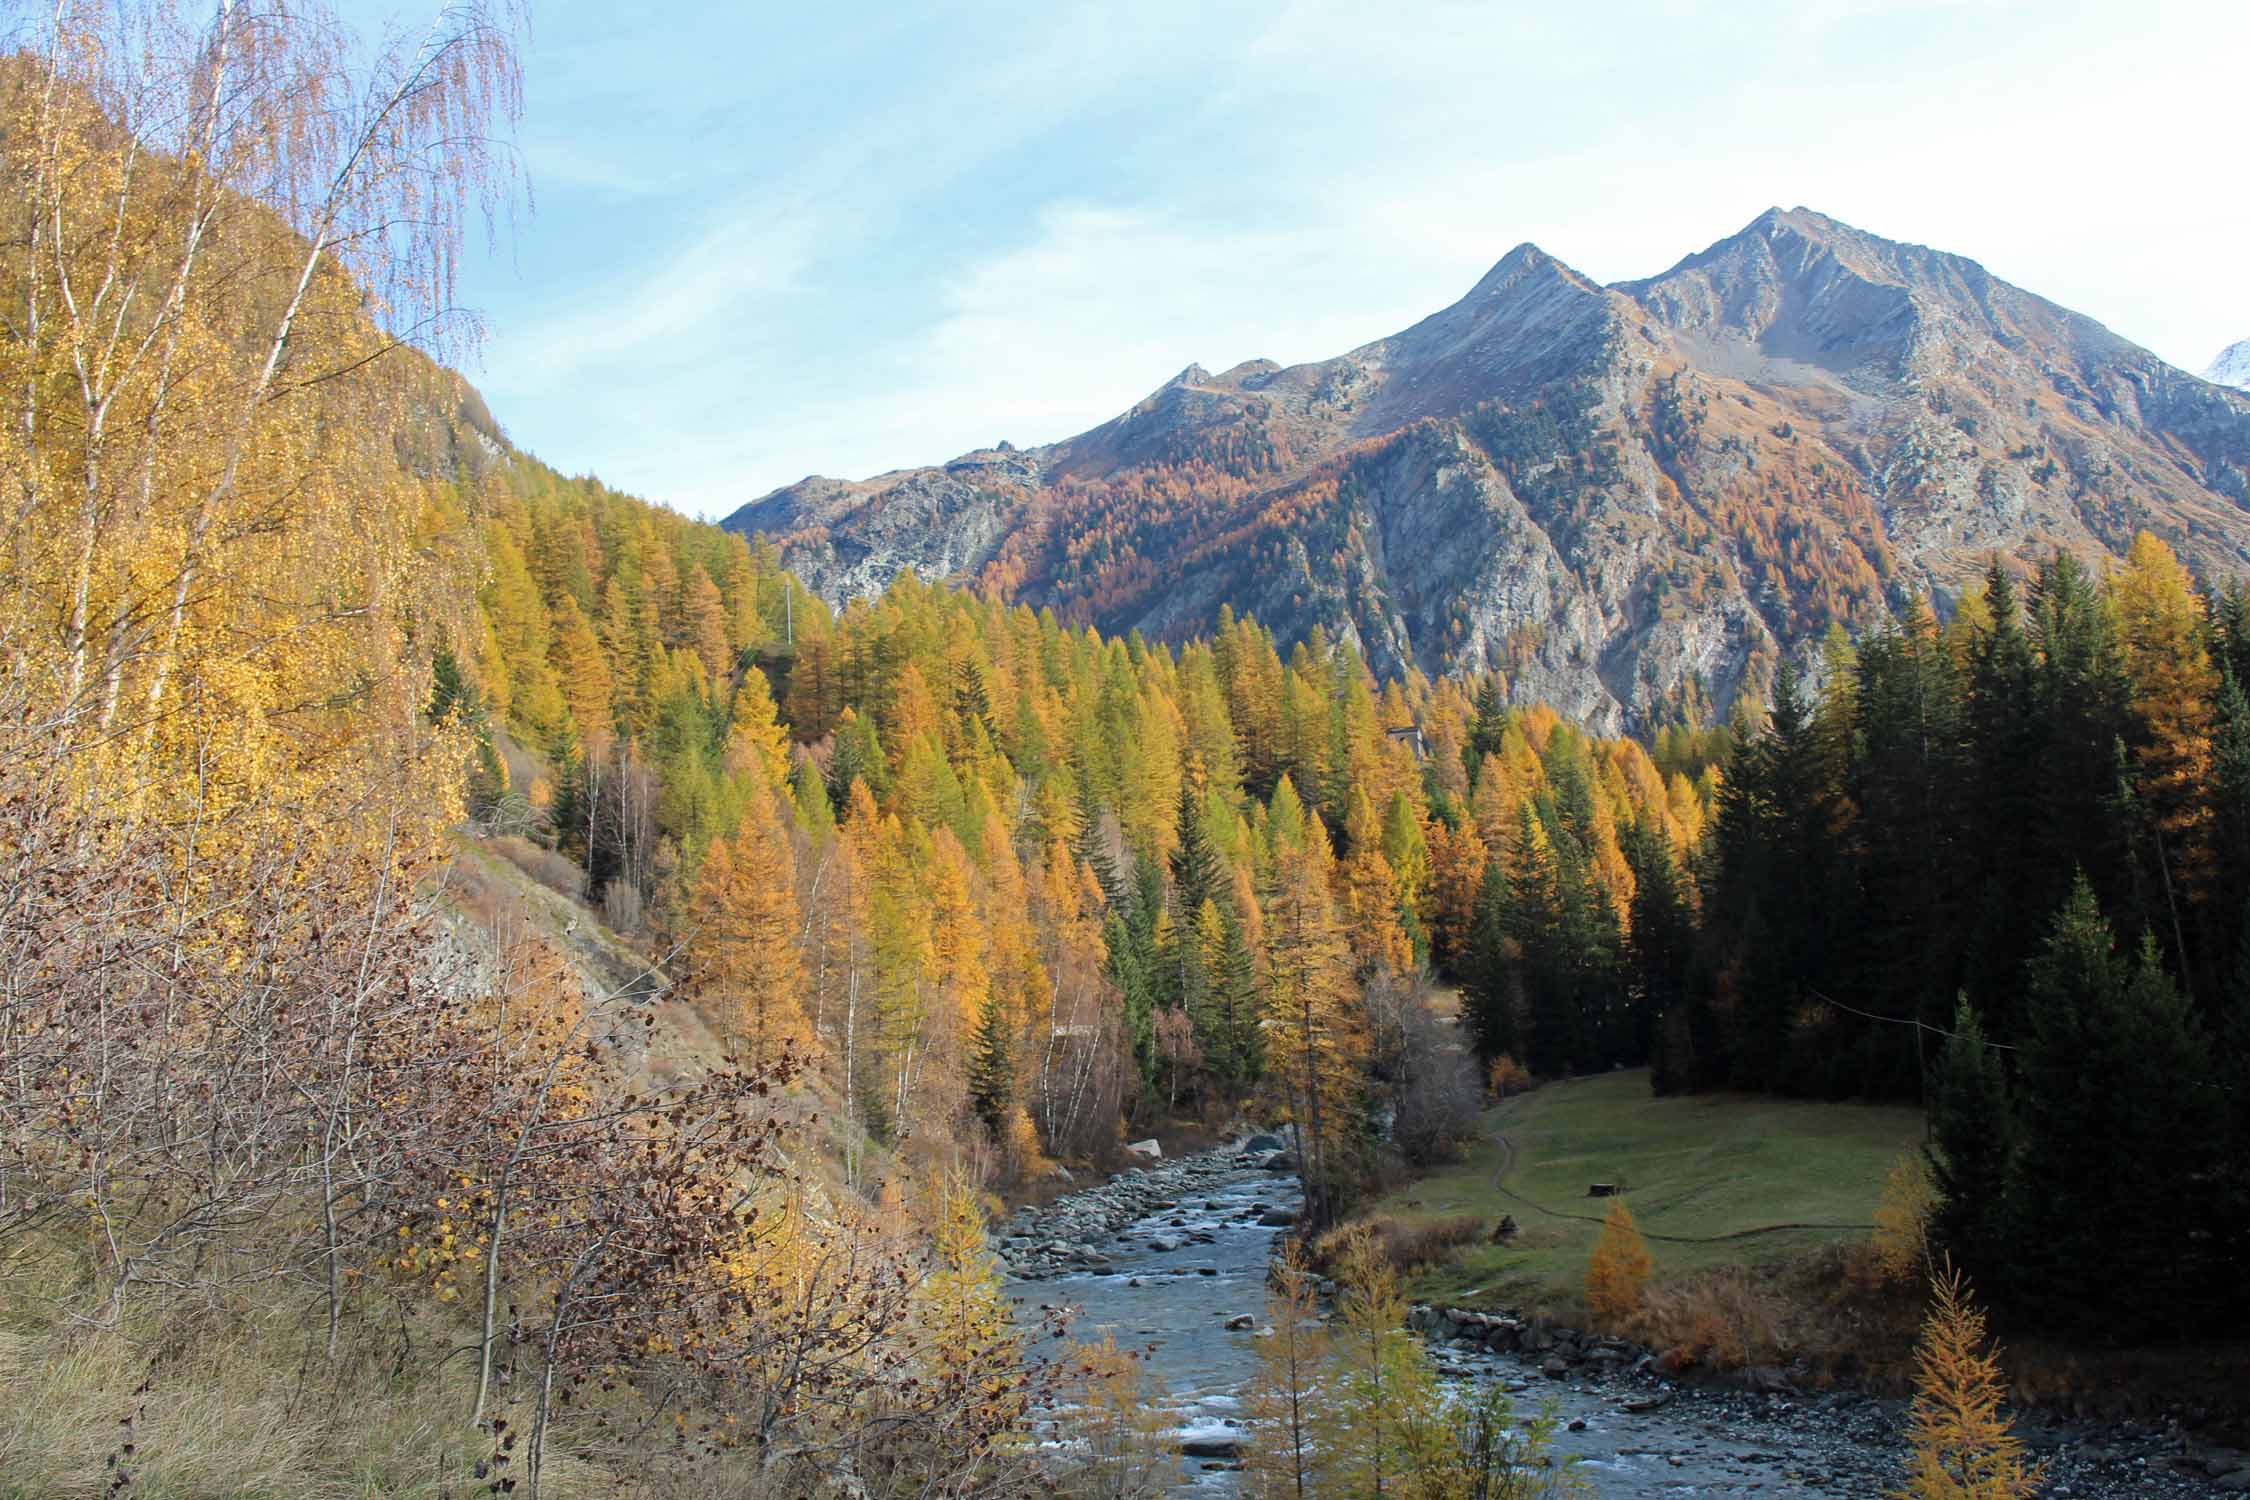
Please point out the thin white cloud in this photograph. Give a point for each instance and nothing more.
(1118, 195)
(646, 323)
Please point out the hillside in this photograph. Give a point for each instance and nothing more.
(1619, 496)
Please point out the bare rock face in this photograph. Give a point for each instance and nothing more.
(1619, 497)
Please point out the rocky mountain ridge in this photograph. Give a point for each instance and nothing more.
(1625, 498)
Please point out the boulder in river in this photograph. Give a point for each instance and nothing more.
(1148, 1148)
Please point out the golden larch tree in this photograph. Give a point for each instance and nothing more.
(1283, 1462)
(1316, 1035)
(1370, 894)
(1620, 1268)
(744, 935)
(1963, 1448)
(2161, 629)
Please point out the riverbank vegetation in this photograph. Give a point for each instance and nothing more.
(1352, 1405)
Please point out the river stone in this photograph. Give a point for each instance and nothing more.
(1259, 1143)
(1241, 1321)
(1211, 1447)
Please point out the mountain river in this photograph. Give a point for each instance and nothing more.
(1165, 1258)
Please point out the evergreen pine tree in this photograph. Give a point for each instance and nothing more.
(2010, 893)
(2111, 1197)
(1971, 1147)
(1490, 978)
(1661, 938)
(2230, 784)
(2233, 1077)
(1907, 791)
(1489, 727)
(1196, 871)
(1240, 1056)
(2080, 692)
(1778, 892)
(992, 1067)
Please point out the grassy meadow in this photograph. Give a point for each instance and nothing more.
(1694, 1168)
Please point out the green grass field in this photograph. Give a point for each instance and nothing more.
(1692, 1167)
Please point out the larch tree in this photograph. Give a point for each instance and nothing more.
(1314, 1032)
(2173, 685)
(1620, 1268)
(745, 937)
(1962, 1447)
(582, 674)
(1370, 894)
(1284, 1460)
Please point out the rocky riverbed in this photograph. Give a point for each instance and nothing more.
(1640, 1432)
(1159, 1208)
(1171, 1259)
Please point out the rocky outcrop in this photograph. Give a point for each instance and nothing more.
(1616, 496)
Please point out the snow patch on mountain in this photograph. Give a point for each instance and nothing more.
(2232, 367)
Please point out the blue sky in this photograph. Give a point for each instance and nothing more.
(776, 240)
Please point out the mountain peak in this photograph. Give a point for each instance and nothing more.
(1524, 263)
(2232, 367)
(1809, 223)
(1781, 242)
(1809, 421)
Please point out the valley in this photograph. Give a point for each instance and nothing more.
(1653, 871)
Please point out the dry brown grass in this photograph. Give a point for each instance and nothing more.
(246, 1410)
(1716, 1320)
(557, 872)
(1812, 1312)
(1409, 1246)
(229, 1412)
